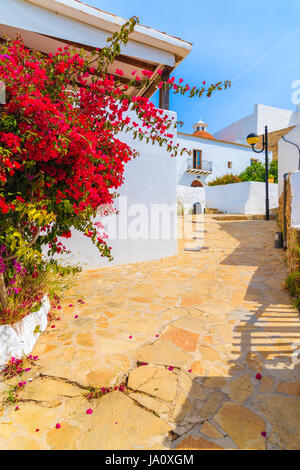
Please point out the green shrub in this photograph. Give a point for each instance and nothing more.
(226, 179)
(293, 285)
(257, 172)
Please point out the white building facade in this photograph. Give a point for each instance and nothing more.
(210, 158)
(274, 118)
(288, 155)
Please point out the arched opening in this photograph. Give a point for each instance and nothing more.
(196, 184)
(197, 208)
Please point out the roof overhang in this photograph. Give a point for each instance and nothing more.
(46, 25)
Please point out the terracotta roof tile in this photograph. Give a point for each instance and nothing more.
(204, 134)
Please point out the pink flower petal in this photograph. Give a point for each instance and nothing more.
(58, 426)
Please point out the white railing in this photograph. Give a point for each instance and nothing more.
(205, 165)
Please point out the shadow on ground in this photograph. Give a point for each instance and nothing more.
(243, 410)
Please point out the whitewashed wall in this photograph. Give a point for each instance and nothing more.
(150, 179)
(241, 198)
(189, 196)
(288, 156)
(274, 118)
(295, 194)
(219, 153)
(238, 130)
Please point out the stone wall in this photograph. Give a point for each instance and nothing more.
(292, 231)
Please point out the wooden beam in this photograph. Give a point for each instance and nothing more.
(164, 95)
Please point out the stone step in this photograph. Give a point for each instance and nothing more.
(243, 217)
(192, 247)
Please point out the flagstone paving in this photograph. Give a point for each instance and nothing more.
(187, 337)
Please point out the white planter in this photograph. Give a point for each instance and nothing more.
(19, 338)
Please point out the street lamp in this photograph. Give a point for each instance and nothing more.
(252, 140)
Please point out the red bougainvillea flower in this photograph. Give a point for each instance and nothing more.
(264, 434)
(258, 376)
(156, 336)
(190, 370)
(130, 337)
(89, 411)
(170, 368)
(37, 430)
(76, 316)
(58, 426)
(61, 155)
(70, 305)
(52, 326)
(17, 408)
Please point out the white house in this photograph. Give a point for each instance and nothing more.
(150, 179)
(274, 118)
(210, 157)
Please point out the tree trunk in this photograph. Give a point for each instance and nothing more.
(3, 298)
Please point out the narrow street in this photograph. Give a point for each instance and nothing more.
(205, 344)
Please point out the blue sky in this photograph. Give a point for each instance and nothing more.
(255, 44)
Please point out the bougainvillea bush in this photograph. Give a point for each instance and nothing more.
(60, 154)
(226, 179)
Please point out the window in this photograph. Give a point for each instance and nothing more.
(229, 164)
(197, 159)
(253, 161)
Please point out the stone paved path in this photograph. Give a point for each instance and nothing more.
(205, 323)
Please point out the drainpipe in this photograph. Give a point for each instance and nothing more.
(284, 195)
(293, 143)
